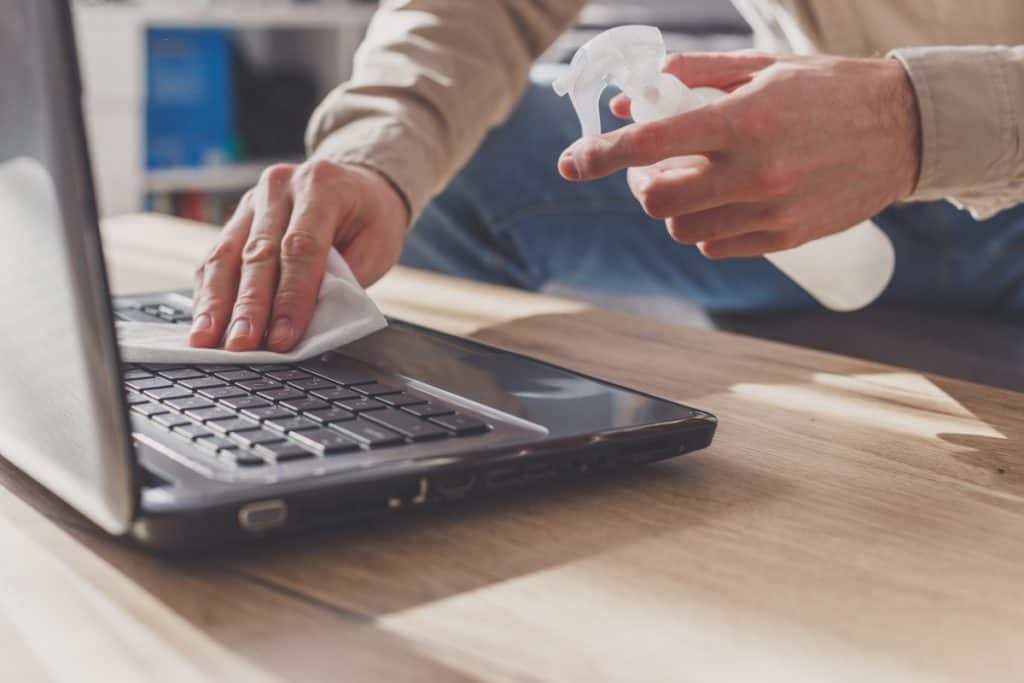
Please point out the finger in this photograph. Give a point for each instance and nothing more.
(620, 107)
(722, 70)
(686, 185)
(717, 224)
(700, 131)
(217, 280)
(751, 244)
(304, 252)
(260, 256)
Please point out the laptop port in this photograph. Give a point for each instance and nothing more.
(264, 515)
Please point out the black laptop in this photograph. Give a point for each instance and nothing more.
(188, 456)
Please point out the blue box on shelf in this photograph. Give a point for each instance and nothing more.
(190, 98)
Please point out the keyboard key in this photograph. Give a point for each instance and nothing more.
(219, 393)
(148, 383)
(208, 414)
(325, 441)
(305, 403)
(243, 458)
(313, 383)
(284, 394)
(268, 413)
(283, 451)
(216, 443)
(201, 383)
(377, 389)
(133, 398)
(136, 373)
(402, 398)
(256, 437)
(168, 393)
(329, 415)
(149, 409)
(407, 425)
(291, 424)
(259, 385)
(343, 375)
(192, 431)
(170, 420)
(238, 375)
(429, 409)
(289, 375)
(367, 433)
(219, 368)
(462, 425)
(232, 426)
(361, 405)
(128, 315)
(335, 394)
(183, 373)
(189, 403)
(242, 402)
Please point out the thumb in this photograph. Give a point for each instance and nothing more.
(722, 70)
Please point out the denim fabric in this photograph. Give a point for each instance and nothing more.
(508, 218)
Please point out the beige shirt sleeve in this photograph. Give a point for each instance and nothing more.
(971, 101)
(430, 79)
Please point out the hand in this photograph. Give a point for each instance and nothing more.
(262, 279)
(800, 148)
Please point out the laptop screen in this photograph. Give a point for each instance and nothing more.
(62, 419)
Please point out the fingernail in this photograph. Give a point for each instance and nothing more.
(202, 323)
(280, 332)
(240, 328)
(569, 167)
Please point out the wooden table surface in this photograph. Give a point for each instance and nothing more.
(851, 522)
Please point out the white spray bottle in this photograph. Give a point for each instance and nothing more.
(845, 271)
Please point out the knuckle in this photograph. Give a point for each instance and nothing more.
(225, 252)
(250, 302)
(656, 201)
(677, 230)
(588, 158)
(260, 251)
(276, 175)
(642, 137)
(299, 246)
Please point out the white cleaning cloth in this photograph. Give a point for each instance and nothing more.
(344, 313)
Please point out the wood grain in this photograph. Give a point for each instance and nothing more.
(852, 521)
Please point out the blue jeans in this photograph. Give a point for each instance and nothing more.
(508, 218)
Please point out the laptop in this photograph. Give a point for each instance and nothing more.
(183, 457)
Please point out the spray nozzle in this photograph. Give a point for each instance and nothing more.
(630, 58)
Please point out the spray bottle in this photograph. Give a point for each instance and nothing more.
(845, 271)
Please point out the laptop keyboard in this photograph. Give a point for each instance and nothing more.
(258, 416)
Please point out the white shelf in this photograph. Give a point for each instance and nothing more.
(243, 16)
(226, 178)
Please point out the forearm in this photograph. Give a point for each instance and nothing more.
(971, 103)
(431, 78)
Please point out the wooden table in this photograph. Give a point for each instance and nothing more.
(852, 522)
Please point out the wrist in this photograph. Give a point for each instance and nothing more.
(903, 119)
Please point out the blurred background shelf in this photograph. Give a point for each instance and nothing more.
(221, 178)
(240, 15)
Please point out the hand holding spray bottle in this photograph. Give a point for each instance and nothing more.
(844, 271)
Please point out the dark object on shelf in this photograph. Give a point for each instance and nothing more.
(272, 108)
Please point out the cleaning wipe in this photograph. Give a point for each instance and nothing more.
(344, 313)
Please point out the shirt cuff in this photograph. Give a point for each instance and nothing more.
(967, 105)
